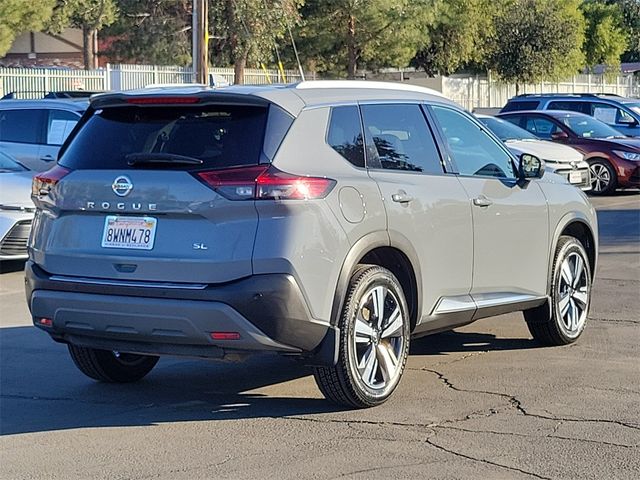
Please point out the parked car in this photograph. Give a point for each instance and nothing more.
(559, 159)
(330, 221)
(618, 112)
(33, 130)
(29, 94)
(614, 160)
(16, 208)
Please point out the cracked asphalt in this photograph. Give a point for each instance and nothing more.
(483, 401)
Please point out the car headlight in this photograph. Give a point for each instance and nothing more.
(635, 157)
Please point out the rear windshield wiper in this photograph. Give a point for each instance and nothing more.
(158, 157)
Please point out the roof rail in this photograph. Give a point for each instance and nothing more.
(328, 84)
(567, 94)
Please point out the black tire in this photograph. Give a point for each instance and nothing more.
(111, 367)
(547, 323)
(385, 354)
(601, 170)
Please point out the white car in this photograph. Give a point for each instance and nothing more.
(559, 159)
(16, 208)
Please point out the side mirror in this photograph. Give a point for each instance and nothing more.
(561, 135)
(629, 122)
(530, 167)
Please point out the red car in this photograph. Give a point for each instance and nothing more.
(614, 160)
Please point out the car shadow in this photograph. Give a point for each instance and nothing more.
(619, 227)
(41, 390)
(9, 266)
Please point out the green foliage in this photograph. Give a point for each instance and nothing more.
(606, 38)
(17, 16)
(248, 30)
(536, 40)
(631, 17)
(457, 37)
(85, 14)
(340, 36)
(152, 31)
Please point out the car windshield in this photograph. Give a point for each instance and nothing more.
(634, 107)
(588, 127)
(506, 131)
(7, 164)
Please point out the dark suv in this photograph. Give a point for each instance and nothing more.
(614, 160)
(621, 113)
(329, 221)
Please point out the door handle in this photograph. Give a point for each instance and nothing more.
(401, 197)
(47, 158)
(482, 201)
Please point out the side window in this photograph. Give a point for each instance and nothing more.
(520, 105)
(400, 138)
(59, 126)
(474, 152)
(541, 127)
(21, 126)
(345, 134)
(609, 114)
(581, 107)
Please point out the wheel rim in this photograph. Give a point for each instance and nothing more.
(573, 294)
(600, 177)
(378, 339)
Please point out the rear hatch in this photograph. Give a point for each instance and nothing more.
(129, 200)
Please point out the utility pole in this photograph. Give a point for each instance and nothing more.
(200, 50)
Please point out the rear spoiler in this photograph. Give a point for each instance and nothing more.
(169, 98)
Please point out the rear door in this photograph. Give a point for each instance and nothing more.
(510, 220)
(426, 208)
(21, 134)
(140, 171)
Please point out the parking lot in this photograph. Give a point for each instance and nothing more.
(483, 401)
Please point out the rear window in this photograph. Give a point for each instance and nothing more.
(218, 135)
(581, 107)
(515, 106)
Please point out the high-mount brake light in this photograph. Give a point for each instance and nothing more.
(264, 182)
(45, 181)
(163, 100)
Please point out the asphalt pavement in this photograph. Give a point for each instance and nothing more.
(483, 401)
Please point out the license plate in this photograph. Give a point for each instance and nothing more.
(129, 232)
(575, 177)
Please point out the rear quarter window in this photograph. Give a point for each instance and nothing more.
(520, 105)
(345, 134)
(219, 135)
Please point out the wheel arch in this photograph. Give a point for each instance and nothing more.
(393, 252)
(577, 225)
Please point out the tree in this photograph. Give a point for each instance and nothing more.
(537, 39)
(88, 15)
(246, 31)
(18, 16)
(341, 36)
(605, 35)
(631, 18)
(457, 37)
(152, 31)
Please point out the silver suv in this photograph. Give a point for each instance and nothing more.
(331, 221)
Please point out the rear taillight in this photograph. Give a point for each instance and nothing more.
(264, 182)
(45, 181)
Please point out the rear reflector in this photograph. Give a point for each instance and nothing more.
(225, 335)
(264, 182)
(162, 100)
(46, 322)
(44, 182)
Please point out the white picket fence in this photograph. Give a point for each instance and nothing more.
(476, 91)
(34, 82)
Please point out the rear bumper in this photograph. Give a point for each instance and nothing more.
(268, 311)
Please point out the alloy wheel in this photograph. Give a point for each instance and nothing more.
(573, 294)
(378, 339)
(600, 177)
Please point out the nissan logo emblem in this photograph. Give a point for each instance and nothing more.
(122, 186)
